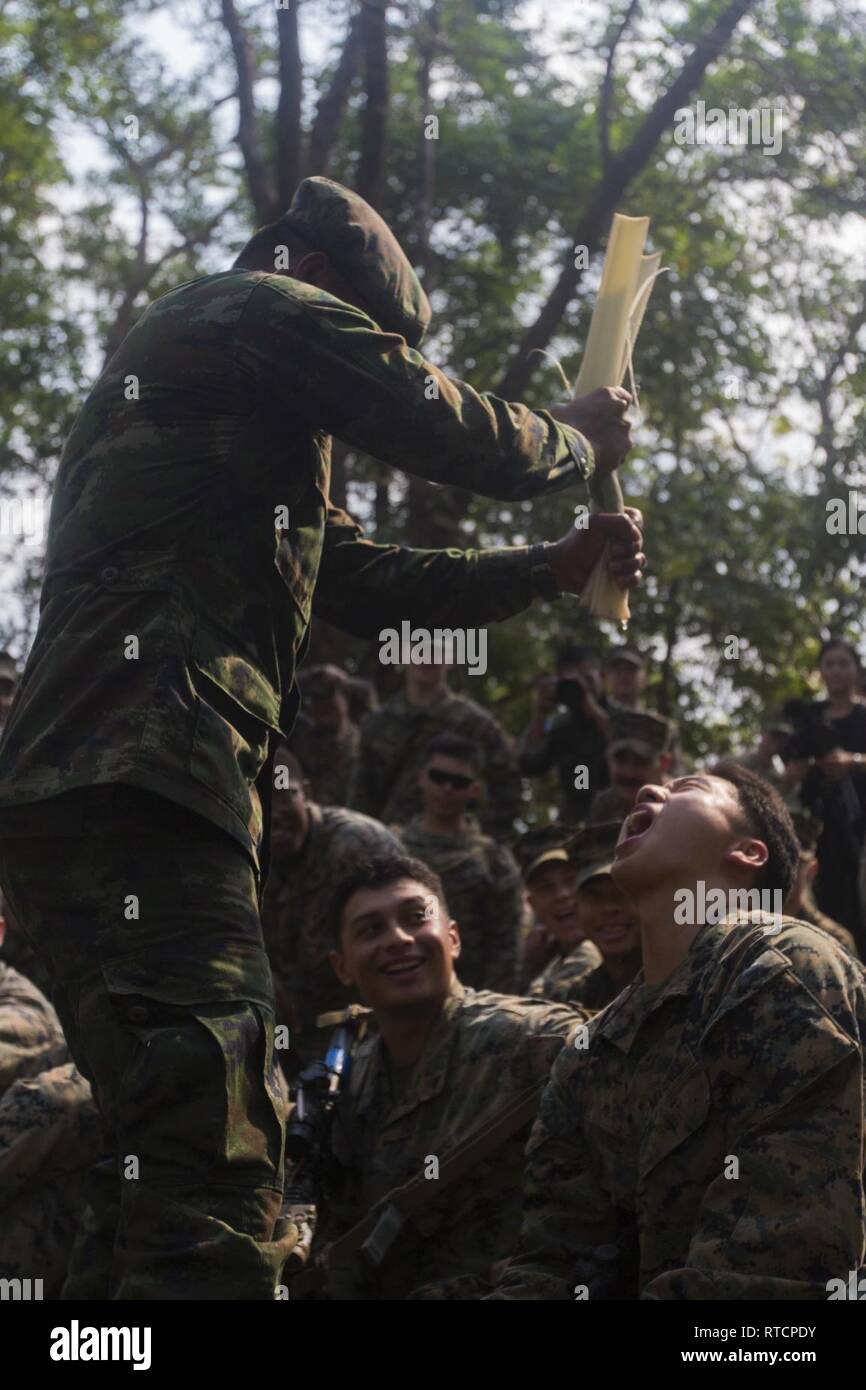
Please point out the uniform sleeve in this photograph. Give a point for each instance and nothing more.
(565, 983)
(363, 588)
(335, 368)
(567, 1216)
(786, 1214)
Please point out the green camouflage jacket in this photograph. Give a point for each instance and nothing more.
(483, 1051)
(562, 978)
(295, 899)
(708, 1142)
(190, 530)
(393, 742)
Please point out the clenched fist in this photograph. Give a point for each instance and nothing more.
(600, 417)
(572, 558)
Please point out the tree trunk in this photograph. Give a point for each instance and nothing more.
(261, 190)
(374, 117)
(332, 104)
(623, 168)
(289, 105)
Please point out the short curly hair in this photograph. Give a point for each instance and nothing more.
(378, 872)
(768, 818)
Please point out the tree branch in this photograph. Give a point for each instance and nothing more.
(374, 117)
(289, 104)
(605, 98)
(332, 104)
(261, 191)
(146, 270)
(624, 167)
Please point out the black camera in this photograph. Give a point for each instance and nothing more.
(571, 693)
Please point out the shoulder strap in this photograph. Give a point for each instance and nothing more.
(376, 1232)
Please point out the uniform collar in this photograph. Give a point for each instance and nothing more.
(431, 1069)
(622, 1020)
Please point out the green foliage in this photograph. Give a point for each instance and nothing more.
(750, 361)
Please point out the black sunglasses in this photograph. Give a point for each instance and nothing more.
(457, 780)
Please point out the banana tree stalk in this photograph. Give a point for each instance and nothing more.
(626, 282)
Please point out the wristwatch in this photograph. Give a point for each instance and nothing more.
(541, 576)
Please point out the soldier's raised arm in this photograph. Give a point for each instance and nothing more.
(332, 334)
(335, 368)
(363, 587)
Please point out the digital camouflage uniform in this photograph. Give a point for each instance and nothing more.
(484, 894)
(329, 763)
(293, 917)
(562, 977)
(750, 1051)
(50, 1135)
(484, 1050)
(190, 528)
(394, 741)
(31, 1039)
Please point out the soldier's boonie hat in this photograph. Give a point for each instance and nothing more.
(644, 733)
(592, 850)
(627, 654)
(362, 248)
(541, 845)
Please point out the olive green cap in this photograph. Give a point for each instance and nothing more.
(361, 247)
(592, 850)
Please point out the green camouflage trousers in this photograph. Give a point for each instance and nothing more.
(146, 917)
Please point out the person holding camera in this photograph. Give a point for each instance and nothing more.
(573, 738)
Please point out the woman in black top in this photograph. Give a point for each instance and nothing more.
(828, 759)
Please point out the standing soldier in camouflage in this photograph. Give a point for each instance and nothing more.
(708, 1141)
(311, 847)
(326, 740)
(638, 752)
(393, 743)
(447, 1064)
(480, 878)
(190, 530)
(50, 1135)
(550, 878)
